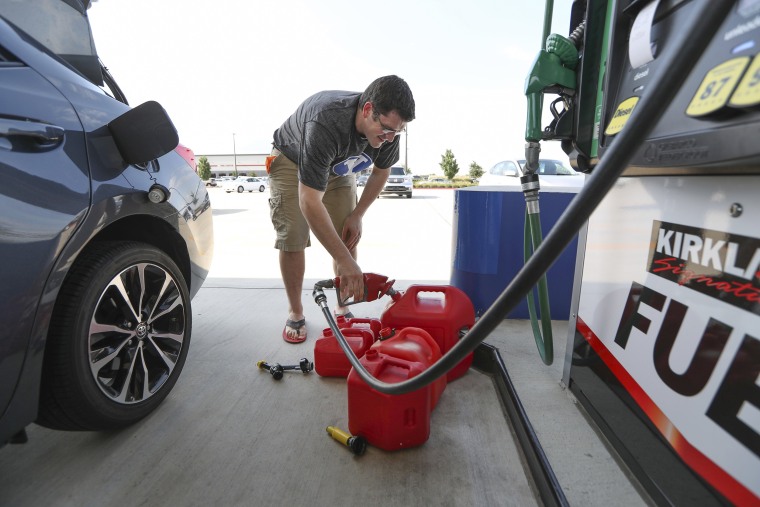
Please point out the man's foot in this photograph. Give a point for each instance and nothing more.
(343, 312)
(295, 331)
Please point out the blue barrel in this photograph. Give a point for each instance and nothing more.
(487, 246)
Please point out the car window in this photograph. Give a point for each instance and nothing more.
(552, 168)
(53, 23)
(563, 169)
(506, 168)
(397, 171)
(546, 167)
(61, 28)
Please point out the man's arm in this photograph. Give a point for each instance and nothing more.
(352, 229)
(372, 189)
(316, 215)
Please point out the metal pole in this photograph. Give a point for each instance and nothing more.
(234, 154)
(406, 149)
(548, 10)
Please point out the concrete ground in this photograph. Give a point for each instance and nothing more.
(229, 434)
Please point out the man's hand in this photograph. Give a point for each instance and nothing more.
(351, 281)
(352, 231)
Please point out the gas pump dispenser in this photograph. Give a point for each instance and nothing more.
(664, 349)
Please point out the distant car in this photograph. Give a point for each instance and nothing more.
(551, 173)
(398, 183)
(211, 182)
(246, 184)
(106, 233)
(361, 180)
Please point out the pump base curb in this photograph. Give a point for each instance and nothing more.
(487, 360)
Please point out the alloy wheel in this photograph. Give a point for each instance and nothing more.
(137, 333)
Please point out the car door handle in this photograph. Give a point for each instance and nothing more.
(41, 135)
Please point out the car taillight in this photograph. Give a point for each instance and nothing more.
(187, 154)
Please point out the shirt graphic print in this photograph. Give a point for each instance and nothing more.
(352, 165)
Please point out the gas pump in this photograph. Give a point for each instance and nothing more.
(664, 350)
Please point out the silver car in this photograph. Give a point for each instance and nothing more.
(551, 173)
(398, 183)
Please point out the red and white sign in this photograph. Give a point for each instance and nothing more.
(670, 300)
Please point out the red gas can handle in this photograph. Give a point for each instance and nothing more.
(386, 360)
(375, 287)
(416, 289)
(447, 290)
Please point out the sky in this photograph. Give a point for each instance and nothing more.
(229, 72)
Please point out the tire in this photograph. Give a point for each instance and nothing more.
(106, 367)
(261, 188)
(409, 195)
(240, 189)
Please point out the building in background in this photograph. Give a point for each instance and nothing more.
(247, 164)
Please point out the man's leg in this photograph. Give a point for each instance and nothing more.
(292, 267)
(292, 239)
(340, 201)
(342, 310)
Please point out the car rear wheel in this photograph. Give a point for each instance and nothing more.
(118, 338)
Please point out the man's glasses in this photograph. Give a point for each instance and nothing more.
(385, 129)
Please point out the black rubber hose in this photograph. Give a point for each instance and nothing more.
(678, 59)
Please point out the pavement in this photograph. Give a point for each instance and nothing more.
(229, 434)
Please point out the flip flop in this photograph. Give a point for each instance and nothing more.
(297, 325)
(347, 315)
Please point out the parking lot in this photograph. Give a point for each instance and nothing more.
(405, 239)
(229, 434)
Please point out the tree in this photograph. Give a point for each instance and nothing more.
(204, 168)
(449, 165)
(476, 171)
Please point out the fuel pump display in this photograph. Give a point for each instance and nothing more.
(705, 129)
(665, 351)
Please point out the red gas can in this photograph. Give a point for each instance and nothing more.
(372, 325)
(416, 346)
(329, 358)
(389, 422)
(341, 321)
(442, 310)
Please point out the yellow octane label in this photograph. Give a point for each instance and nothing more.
(620, 118)
(717, 86)
(748, 92)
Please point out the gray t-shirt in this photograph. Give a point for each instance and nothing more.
(321, 138)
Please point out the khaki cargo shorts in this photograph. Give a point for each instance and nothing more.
(285, 212)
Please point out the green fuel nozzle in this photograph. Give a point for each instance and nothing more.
(553, 71)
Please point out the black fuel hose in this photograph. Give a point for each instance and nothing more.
(679, 60)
